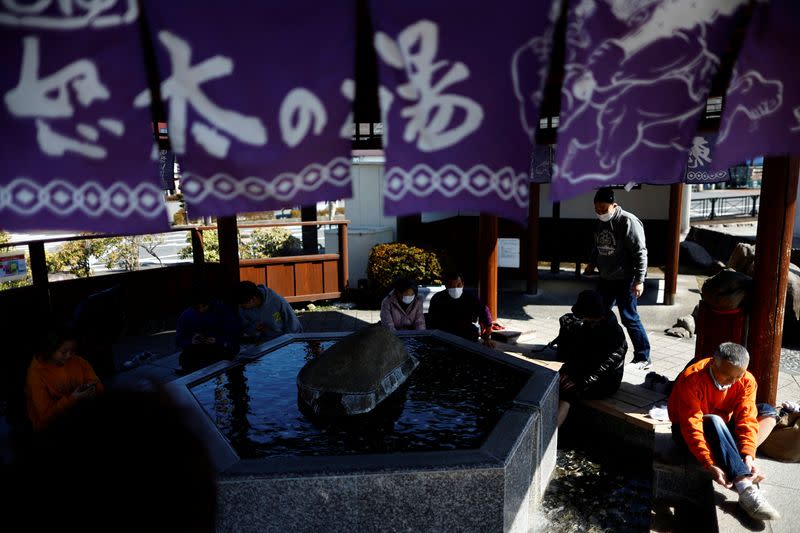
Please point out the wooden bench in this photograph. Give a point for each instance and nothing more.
(631, 403)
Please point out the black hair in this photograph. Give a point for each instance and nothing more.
(453, 274)
(245, 291)
(403, 284)
(199, 294)
(46, 344)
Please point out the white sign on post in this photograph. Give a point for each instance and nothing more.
(508, 253)
(12, 265)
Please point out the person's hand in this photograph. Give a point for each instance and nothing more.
(261, 327)
(87, 390)
(210, 340)
(719, 476)
(637, 289)
(488, 342)
(565, 382)
(198, 338)
(758, 476)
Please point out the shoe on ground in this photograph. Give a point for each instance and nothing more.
(641, 365)
(753, 501)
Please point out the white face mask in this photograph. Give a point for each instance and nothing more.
(408, 299)
(455, 292)
(605, 217)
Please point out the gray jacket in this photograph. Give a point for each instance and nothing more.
(274, 312)
(620, 251)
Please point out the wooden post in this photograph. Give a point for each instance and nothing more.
(39, 274)
(673, 243)
(487, 262)
(770, 278)
(532, 285)
(408, 228)
(198, 255)
(344, 267)
(228, 252)
(555, 263)
(310, 243)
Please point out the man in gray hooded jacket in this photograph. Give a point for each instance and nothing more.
(265, 315)
(620, 255)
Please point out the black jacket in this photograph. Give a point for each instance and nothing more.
(593, 355)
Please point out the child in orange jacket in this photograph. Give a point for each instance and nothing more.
(57, 379)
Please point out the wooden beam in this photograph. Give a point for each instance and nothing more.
(555, 263)
(487, 262)
(228, 252)
(41, 282)
(344, 267)
(308, 213)
(770, 278)
(673, 243)
(532, 280)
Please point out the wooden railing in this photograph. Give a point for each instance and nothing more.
(297, 278)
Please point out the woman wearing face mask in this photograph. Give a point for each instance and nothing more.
(456, 312)
(401, 309)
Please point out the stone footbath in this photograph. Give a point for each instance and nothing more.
(467, 443)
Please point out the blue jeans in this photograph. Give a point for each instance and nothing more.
(720, 439)
(619, 292)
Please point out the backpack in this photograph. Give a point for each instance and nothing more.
(783, 443)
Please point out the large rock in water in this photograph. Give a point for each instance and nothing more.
(356, 374)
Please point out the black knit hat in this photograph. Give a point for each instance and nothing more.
(589, 304)
(604, 195)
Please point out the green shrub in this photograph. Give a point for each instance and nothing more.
(210, 247)
(387, 262)
(179, 218)
(273, 242)
(267, 242)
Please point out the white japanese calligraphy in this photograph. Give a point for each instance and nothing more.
(305, 108)
(348, 90)
(431, 118)
(68, 14)
(182, 89)
(49, 98)
(699, 153)
(797, 117)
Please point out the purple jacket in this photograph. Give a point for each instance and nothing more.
(394, 317)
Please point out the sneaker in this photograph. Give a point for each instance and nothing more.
(756, 505)
(641, 365)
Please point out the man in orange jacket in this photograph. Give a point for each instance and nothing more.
(713, 412)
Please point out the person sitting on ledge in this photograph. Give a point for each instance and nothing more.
(401, 309)
(264, 313)
(58, 378)
(206, 332)
(456, 312)
(714, 415)
(593, 349)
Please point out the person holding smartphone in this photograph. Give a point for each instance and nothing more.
(58, 379)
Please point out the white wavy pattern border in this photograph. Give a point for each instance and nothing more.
(701, 176)
(285, 186)
(451, 180)
(27, 197)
